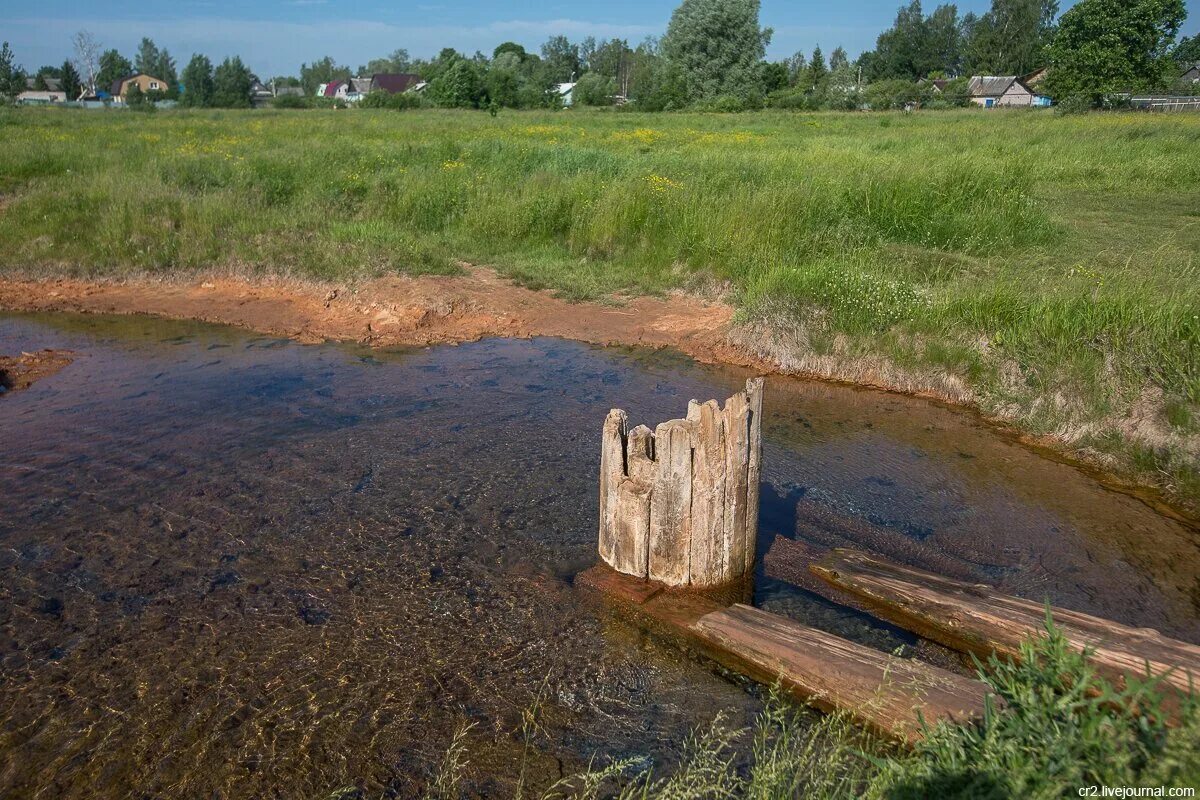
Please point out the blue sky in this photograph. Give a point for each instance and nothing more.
(274, 36)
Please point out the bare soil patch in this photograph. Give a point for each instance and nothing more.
(21, 372)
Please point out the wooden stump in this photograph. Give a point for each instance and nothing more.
(680, 505)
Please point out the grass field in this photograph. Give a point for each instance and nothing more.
(1048, 265)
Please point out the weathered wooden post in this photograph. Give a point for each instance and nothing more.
(680, 505)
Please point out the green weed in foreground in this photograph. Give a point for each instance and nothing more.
(1048, 264)
(1058, 728)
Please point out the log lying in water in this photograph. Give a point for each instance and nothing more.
(884, 693)
(978, 619)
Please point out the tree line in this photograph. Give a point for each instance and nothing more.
(712, 56)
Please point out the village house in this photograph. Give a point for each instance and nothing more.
(394, 82)
(1191, 74)
(147, 83)
(33, 96)
(1007, 91)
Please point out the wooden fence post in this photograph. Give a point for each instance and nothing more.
(680, 505)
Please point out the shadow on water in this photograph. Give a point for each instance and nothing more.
(232, 565)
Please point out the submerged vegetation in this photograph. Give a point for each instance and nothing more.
(1043, 267)
(1055, 729)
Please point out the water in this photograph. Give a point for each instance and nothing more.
(235, 566)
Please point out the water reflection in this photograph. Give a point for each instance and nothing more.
(236, 566)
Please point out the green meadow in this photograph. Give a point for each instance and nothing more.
(1045, 266)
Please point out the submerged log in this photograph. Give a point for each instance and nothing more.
(977, 619)
(887, 694)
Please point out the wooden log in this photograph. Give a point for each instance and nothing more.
(632, 527)
(670, 512)
(709, 564)
(754, 396)
(639, 454)
(885, 693)
(612, 472)
(737, 476)
(976, 618)
(880, 691)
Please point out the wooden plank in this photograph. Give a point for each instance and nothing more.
(632, 527)
(978, 619)
(639, 454)
(737, 473)
(709, 565)
(754, 396)
(670, 513)
(885, 693)
(612, 472)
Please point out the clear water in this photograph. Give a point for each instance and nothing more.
(234, 566)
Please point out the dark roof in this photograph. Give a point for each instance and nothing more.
(52, 84)
(332, 87)
(394, 82)
(1188, 69)
(993, 86)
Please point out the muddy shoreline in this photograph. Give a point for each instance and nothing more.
(430, 310)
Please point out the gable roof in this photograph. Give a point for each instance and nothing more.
(992, 85)
(52, 84)
(1189, 69)
(393, 82)
(332, 87)
(115, 89)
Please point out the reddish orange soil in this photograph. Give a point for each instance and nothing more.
(398, 311)
(20, 372)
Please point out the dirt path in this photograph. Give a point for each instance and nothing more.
(400, 311)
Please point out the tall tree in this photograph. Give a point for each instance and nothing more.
(1187, 52)
(1011, 38)
(12, 77)
(838, 59)
(1105, 46)
(70, 81)
(87, 54)
(325, 70)
(232, 83)
(942, 48)
(898, 50)
(817, 71)
(717, 45)
(146, 59)
(113, 66)
(561, 59)
(197, 89)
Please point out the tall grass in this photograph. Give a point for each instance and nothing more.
(1055, 728)
(1048, 263)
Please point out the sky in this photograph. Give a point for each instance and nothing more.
(274, 36)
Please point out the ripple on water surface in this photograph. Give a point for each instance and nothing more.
(238, 566)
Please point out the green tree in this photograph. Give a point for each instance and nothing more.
(398, 61)
(817, 71)
(510, 47)
(146, 60)
(12, 77)
(1187, 52)
(197, 89)
(326, 70)
(135, 98)
(1105, 46)
(774, 76)
(560, 59)
(898, 50)
(942, 47)
(1011, 38)
(717, 45)
(460, 85)
(838, 60)
(69, 78)
(594, 89)
(113, 66)
(232, 82)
